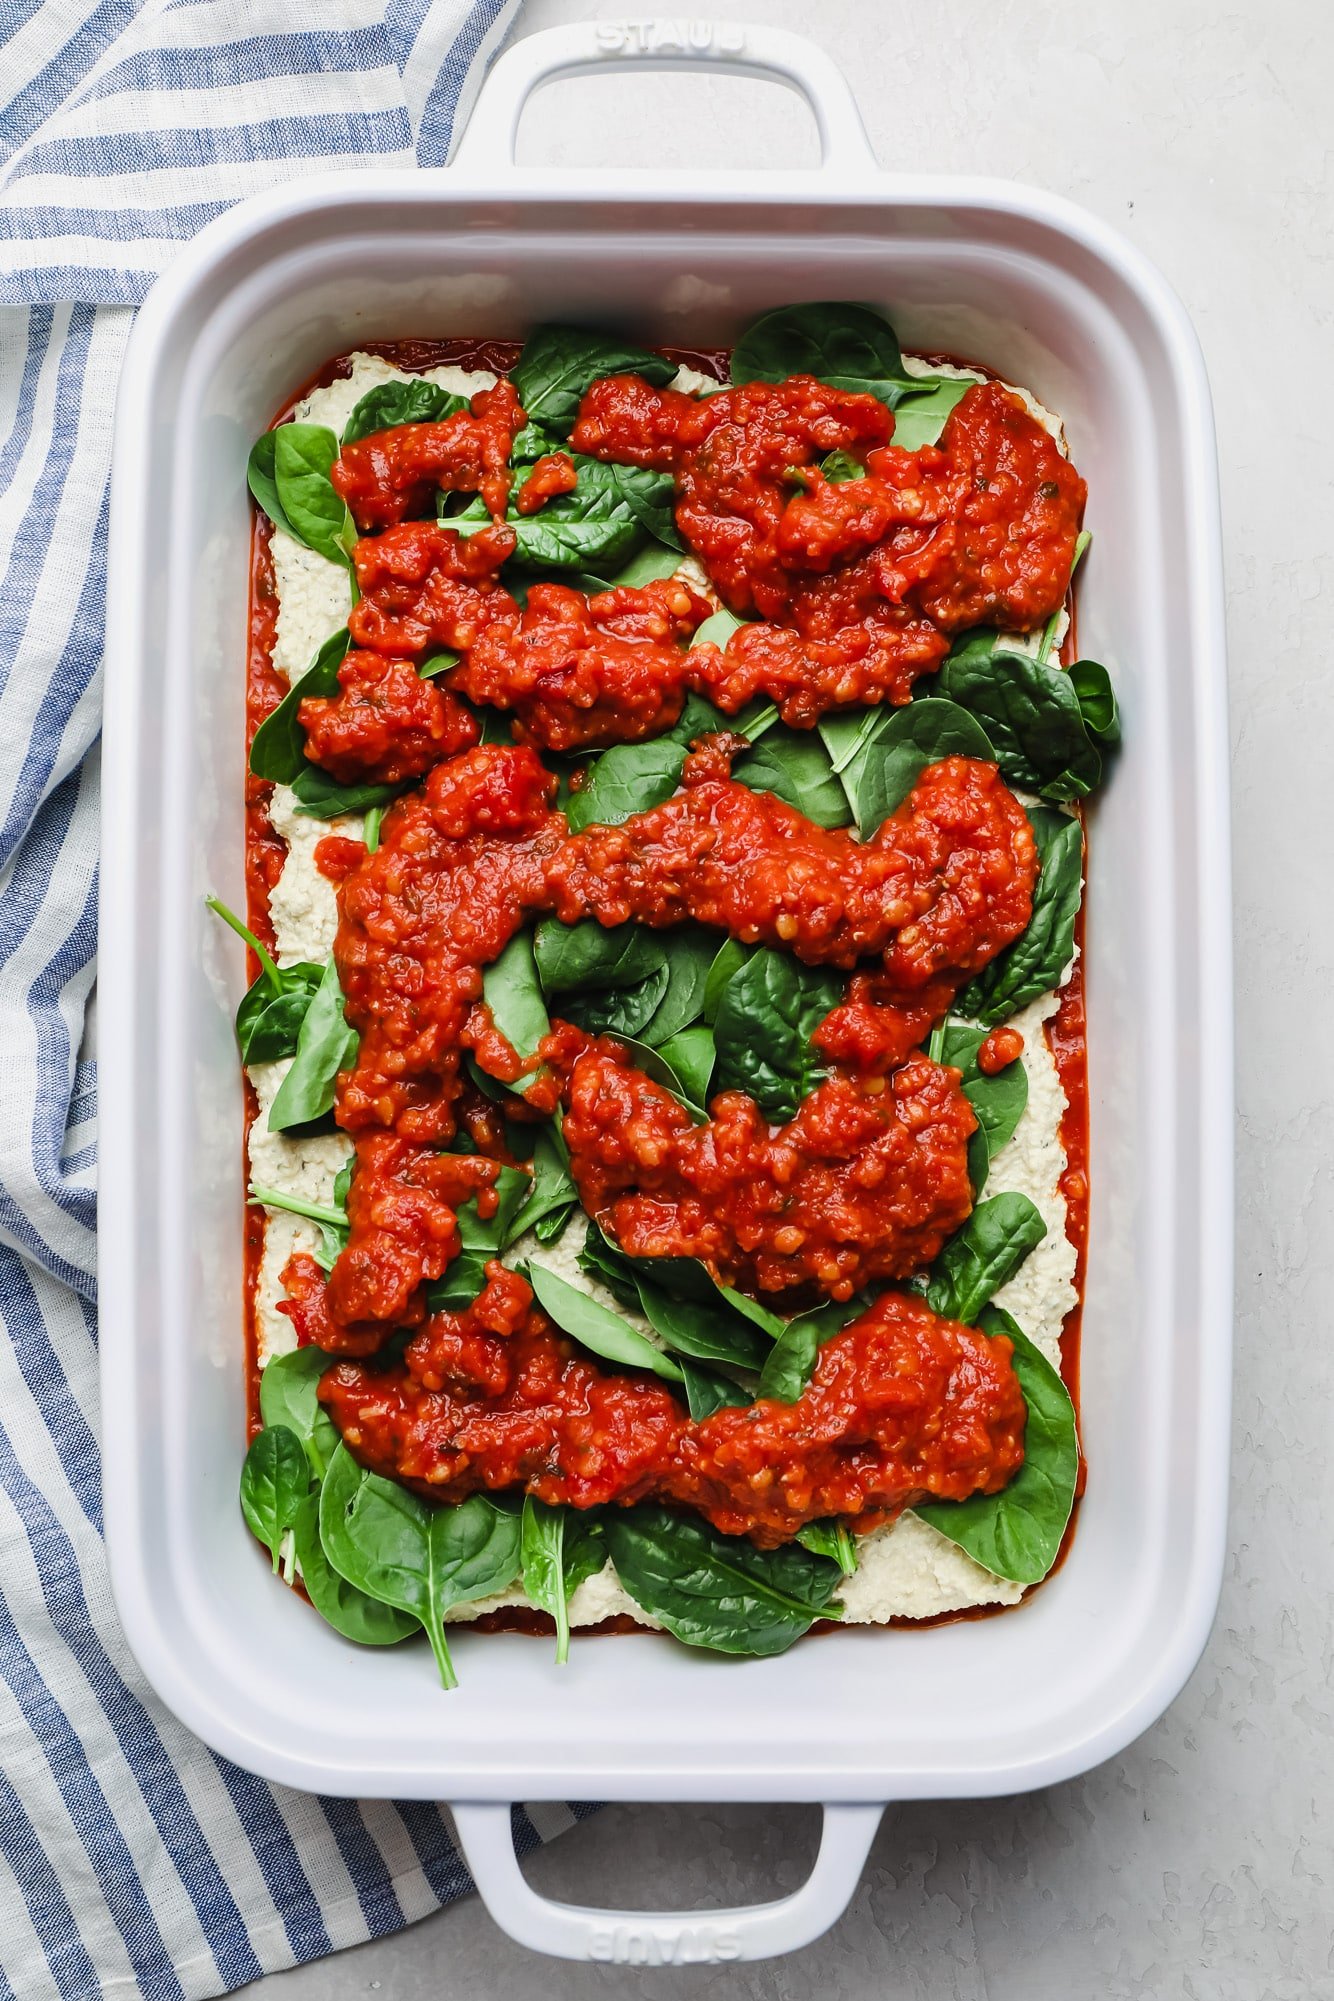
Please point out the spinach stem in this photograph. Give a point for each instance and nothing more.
(271, 973)
(846, 1549)
(935, 1048)
(273, 1198)
(371, 831)
(435, 1633)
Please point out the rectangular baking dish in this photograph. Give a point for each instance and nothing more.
(1047, 296)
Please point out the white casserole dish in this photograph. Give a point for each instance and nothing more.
(1047, 296)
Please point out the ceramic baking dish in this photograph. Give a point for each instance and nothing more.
(1049, 297)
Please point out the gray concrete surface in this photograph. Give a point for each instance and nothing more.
(1199, 1864)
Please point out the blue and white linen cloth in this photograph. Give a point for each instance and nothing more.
(132, 1861)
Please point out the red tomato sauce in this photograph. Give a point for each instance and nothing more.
(506, 856)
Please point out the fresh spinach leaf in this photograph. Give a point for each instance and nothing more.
(791, 1361)
(512, 991)
(288, 1397)
(769, 1010)
(441, 663)
(898, 747)
(559, 364)
(552, 1194)
(481, 1240)
(796, 767)
(1035, 962)
(730, 957)
(657, 1065)
(278, 751)
(704, 1332)
(575, 957)
(320, 797)
(273, 1008)
(1097, 701)
(920, 419)
(833, 1539)
(262, 481)
(628, 778)
(1018, 1532)
(690, 1054)
(392, 403)
(708, 1391)
(716, 630)
(419, 1559)
(326, 1044)
(718, 1591)
(275, 1480)
(561, 1547)
(998, 1100)
(341, 1605)
(983, 1256)
(314, 511)
(618, 1010)
(690, 951)
(839, 467)
(1034, 718)
(848, 346)
(596, 1327)
(653, 562)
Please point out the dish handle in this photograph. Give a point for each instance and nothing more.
(724, 47)
(665, 1938)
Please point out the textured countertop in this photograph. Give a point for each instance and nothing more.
(1198, 1864)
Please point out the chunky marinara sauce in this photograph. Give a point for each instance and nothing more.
(851, 591)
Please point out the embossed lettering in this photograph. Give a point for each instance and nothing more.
(667, 37)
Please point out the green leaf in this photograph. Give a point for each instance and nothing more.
(998, 1100)
(596, 1327)
(703, 1332)
(576, 957)
(320, 797)
(718, 1591)
(542, 1543)
(1033, 717)
(796, 767)
(833, 1539)
(657, 1065)
(898, 747)
(769, 1010)
(1018, 1532)
(983, 1256)
(559, 364)
(316, 514)
(629, 778)
(920, 419)
(707, 1391)
(730, 957)
(839, 467)
(275, 1480)
(1033, 965)
(552, 1193)
(340, 1604)
(326, 1044)
(392, 403)
(512, 991)
(421, 1560)
(481, 1240)
(269, 1019)
(792, 1358)
(691, 1055)
(848, 346)
(648, 565)
(716, 630)
(1097, 701)
(263, 484)
(690, 951)
(278, 751)
(288, 1396)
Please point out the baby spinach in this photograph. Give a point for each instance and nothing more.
(839, 467)
(288, 1396)
(392, 403)
(278, 751)
(791, 1360)
(658, 1065)
(689, 951)
(848, 346)
(769, 1010)
(719, 1591)
(275, 1480)
(833, 1539)
(596, 1327)
(618, 1010)
(628, 778)
(593, 528)
(684, 1278)
(891, 754)
(560, 1548)
(708, 1391)
(653, 562)
(341, 1605)
(419, 1559)
(1097, 701)
(716, 630)
(273, 1008)
(559, 364)
(998, 1100)
(481, 1240)
(983, 1256)
(1034, 717)
(920, 419)
(552, 1195)
(1038, 957)
(288, 474)
(326, 1044)
(320, 797)
(730, 957)
(512, 991)
(795, 765)
(1018, 1532)
(577, 957)
(690, 1055)
(703, 1332)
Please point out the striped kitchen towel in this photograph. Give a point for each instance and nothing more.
(132, 1861)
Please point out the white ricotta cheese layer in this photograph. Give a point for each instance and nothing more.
(907, 1570)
